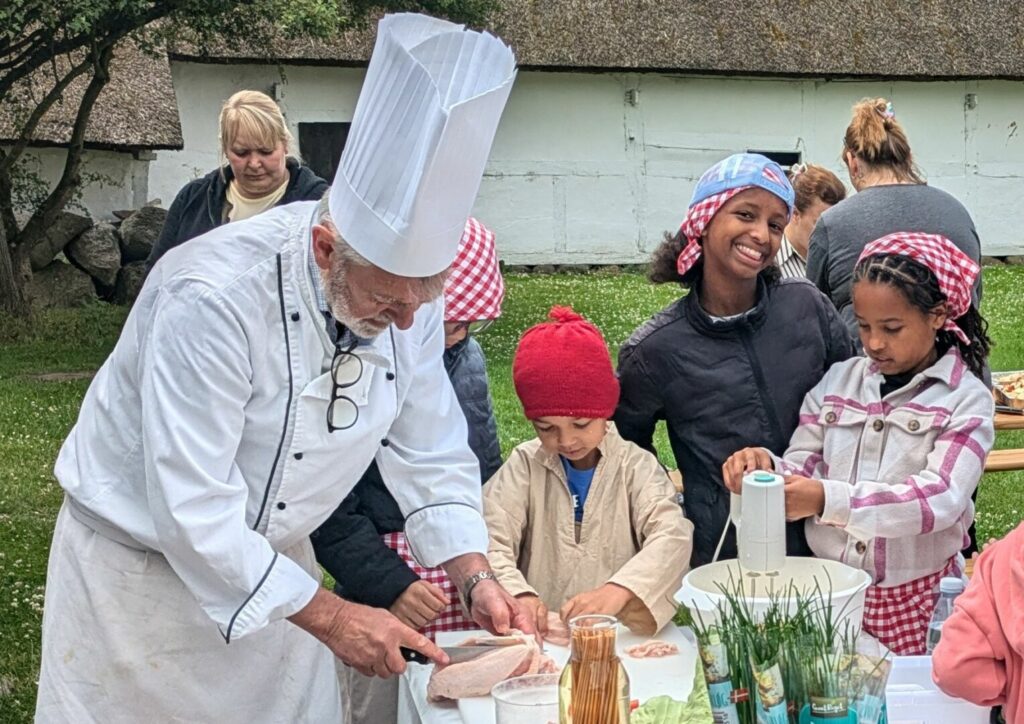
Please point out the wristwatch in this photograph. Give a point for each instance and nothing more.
(471, 582)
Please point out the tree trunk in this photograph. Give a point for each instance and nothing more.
(69, 180)
(13, 279)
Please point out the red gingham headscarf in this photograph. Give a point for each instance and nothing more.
(474, 288)
(955, 271)
(697, 219)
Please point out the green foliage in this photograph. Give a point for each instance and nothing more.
(28, 187)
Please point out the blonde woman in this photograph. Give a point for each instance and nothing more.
(259, 174)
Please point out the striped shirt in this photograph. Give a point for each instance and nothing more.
(898, 470)
(789, 261)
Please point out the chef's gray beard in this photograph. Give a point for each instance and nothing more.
(335, 282)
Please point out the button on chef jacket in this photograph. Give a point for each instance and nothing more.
(204, 434)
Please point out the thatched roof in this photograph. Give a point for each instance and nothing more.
(831, 38)
(136, 110)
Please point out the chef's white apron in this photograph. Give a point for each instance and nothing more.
(125, 641)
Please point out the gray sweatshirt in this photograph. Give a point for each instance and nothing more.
(844, 230)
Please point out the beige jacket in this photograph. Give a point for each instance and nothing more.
(633, 532)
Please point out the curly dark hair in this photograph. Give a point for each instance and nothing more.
(662, 268)
(920, 287)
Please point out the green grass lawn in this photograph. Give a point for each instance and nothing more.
(36, 414)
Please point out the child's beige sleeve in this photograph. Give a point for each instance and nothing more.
(506, 499)
(655, 573)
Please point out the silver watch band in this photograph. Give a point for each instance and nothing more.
(471, 584)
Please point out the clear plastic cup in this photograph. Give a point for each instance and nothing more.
(529, 699)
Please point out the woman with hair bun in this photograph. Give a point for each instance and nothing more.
(891, 196)
(260, 173)
(816, 189)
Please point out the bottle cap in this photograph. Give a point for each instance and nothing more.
(763, 477)
(951, 585)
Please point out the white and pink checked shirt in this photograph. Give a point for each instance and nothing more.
(898, 471)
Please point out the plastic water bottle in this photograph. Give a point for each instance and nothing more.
(949, 589)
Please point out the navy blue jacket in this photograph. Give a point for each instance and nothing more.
(348, 545)
(199, 206)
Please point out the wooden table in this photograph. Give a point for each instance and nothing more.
(1003, 460)
(1006, 421)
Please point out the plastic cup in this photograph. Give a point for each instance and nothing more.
(529, 699)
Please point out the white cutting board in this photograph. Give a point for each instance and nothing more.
(671, 675)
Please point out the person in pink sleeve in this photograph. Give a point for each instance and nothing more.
(890, 446)
(979, 657)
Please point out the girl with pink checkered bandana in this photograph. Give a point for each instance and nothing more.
(890, 446)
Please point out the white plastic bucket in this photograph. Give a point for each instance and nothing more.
(843, 585)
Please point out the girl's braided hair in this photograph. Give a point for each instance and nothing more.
(662, 269)
(921, 288)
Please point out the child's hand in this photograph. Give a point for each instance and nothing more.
(535, 610)
(745, 461)
(608, 599)
(804, 497)
(419, 604)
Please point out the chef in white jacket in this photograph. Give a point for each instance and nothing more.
(262, 368)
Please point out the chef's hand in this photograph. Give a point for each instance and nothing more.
(804, 497)
(365, 638)
(496, 610)
(746, 460)
(608, 599)
(535, 610)
(419, 604)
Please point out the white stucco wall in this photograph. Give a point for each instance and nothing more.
(113, 180)
(578, 173)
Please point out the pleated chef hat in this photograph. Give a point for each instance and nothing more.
(420, 137)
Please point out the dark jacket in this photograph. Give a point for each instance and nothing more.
(725, 385)
(844, 230)
(199, 206)
(348, 544)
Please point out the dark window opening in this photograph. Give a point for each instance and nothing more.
(786, 159)
(321, 145)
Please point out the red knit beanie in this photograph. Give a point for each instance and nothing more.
(562, 368)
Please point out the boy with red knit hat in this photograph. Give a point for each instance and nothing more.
(580, 520)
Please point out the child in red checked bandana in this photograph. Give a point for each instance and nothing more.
(890, 446)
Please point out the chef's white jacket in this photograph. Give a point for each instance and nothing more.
(204, 435)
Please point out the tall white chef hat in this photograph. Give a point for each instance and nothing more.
(420, 137)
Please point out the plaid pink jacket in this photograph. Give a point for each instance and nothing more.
(898, 471)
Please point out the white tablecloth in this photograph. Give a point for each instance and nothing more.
(672, 675)
(413, 707)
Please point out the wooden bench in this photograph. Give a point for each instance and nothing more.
(1002, 460)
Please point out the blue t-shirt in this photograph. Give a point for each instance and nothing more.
(579, 486)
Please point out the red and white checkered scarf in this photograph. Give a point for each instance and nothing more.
(697, 219)
(474, 288)
(955, 271)
(898, 616)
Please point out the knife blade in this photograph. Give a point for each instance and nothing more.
(456, 654)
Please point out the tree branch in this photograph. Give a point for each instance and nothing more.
(113, 29)
(28, 42)
(7, 219)
(32, 122)
(65, 187)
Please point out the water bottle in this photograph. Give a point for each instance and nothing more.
(949, 589)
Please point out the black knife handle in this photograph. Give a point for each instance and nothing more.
(414, 656)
